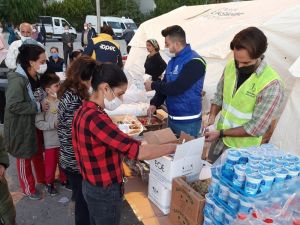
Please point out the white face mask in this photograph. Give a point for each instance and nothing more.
(113, 104)
(1, 29)
(90, 91)
(23, 38)
(42, 69)
(67, 31)
(33, 30)
(52, 94)
(168, 53)
(85, 28)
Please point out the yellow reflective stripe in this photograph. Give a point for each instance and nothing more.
(229, 124)
(201, 60)
(237, 113)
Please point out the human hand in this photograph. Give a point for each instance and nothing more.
(45, 106)
(206, 123)
(211, 136)
(171, 148)
(148, 85)
(2, 170)
(70, 45)
(151, 110)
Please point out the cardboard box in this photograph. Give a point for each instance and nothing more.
(159, 194)
(185, 161)
(187, 205)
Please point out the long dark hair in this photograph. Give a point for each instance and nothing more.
(27, 53)
(80, 70)
(108, 73)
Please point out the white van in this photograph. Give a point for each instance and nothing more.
(113, 22)
(55, 26)
(127, 23)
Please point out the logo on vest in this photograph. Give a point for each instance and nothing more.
(175, 71)
(251, 91)
(107, 47)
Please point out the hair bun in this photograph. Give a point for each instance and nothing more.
(22, 48)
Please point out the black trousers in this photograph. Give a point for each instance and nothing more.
(82, 216)
(2, 105)
(67, 52)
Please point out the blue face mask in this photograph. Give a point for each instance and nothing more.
(54, 55)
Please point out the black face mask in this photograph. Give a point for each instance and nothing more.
(246, 70)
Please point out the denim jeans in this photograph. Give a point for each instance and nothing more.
(81, 209)
(191, 128)
(104, 203)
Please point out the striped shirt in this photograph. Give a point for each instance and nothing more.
(267, 107)
(67, 107)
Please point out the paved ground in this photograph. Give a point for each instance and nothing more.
(50, 210)
(53, 210)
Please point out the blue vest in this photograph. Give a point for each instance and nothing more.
(190, 102)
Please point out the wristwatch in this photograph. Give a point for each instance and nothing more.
(222, 134)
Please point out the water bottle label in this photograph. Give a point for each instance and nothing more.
(251, 185)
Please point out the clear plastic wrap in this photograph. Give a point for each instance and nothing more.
(261, 182)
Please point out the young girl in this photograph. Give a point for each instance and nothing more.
(71, 94)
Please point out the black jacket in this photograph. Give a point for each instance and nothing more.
(55, 66)
(91, 34)
(155, 66)
(67, 38)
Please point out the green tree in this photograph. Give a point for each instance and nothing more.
(74, 11)
(164, 6)
(18, 11)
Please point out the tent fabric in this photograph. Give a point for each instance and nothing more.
(210, 28)
(288, 138)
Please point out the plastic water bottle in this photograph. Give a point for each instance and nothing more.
(233, 157)
(242, 219)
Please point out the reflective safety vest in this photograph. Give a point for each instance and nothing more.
(238, 107)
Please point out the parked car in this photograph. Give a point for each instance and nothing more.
(127, 23)
(55, 26)
(113, 22)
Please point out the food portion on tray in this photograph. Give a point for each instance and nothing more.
(128, 124)
(152, 123)
(146, 121)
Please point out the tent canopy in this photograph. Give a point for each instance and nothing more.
(210, 29)
(288, 138)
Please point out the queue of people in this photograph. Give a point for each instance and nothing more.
(50, 124)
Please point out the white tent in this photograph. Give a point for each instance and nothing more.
(287, 132)
(210, 28)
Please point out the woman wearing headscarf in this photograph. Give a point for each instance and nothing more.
(154, 65)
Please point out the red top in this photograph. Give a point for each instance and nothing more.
(98, 144)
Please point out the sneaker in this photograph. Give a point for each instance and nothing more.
(35, 196)
(50, 188)
(66, 185)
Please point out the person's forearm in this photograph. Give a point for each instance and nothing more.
(155, 151)
(236, 132)
(214, 110)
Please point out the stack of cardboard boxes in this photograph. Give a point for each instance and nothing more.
(185, 162)
(187, 205)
